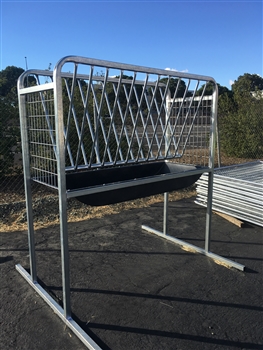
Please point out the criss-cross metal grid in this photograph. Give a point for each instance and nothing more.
(113, 121)
(114, 117)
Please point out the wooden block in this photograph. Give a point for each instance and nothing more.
(231, 219)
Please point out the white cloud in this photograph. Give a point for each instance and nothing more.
(231, 82)
(176, 70)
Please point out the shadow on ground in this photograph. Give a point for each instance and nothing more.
(132, 290)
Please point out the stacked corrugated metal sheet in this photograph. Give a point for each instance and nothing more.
(237, 191)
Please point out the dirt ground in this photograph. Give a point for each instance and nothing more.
(46, 209)
(45, 202)
(133, 290)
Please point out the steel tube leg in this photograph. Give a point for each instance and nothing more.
(65, 263)
(31, 233)
(65, 256)
(62, 144)
(27, 182)
(165, 213)
(209, 212)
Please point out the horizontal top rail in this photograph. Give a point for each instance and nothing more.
(127, 67)
(108, 64)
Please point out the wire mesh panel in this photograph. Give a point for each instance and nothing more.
(114, 114)
(192, 119)
(41, 137)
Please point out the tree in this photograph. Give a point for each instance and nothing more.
(8, 81)
(173, 85)
(9, 118)
(241, 118)
(210, 88)
(247, 83)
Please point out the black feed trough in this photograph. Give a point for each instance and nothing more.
(141, 180)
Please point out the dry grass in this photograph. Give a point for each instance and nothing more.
(13, 212)
(80, 212)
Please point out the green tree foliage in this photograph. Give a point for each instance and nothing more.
(240, 113)
(241, 118)
(173, 86)
(210, 88)
(247, 83)
(9, 119)
(8, 80)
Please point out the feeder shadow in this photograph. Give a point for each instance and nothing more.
(4, 259)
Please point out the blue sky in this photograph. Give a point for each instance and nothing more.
(222, 39)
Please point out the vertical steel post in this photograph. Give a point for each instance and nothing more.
(165, 212)
(60, 142)
(209, 212)
(27, 181)
(218, 145)
(211, 166)
(167, 143)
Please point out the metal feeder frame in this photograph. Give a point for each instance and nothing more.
(169, 142)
